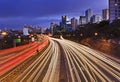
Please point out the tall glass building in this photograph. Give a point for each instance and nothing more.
(88, 14)
(114, 9)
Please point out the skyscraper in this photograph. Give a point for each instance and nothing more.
(96, 18)
(74, 23)
(88, 14)
(64, 20)
(105, 14)
(82, 20)
(114, 9)
(25, 30)
(52, 25)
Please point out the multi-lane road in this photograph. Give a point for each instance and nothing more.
(67, 61)
(12, 57)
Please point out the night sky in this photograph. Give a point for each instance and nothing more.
(15, 13)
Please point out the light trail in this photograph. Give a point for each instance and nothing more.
(109, 69)
(15, 49)
(82, 64)
(15, 60)
(38, 66)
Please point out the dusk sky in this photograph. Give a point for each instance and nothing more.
(15, 13)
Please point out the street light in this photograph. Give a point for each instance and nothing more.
(4, 33)
(95, 33)
(81, 34)
(32, 35)
(19, 37)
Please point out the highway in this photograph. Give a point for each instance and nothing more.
(67, 61)
(10, 58)
(8, 54)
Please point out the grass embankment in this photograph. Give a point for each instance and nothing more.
(102, 45)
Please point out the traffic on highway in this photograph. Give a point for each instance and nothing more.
(64, 61)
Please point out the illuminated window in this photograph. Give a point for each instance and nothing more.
(116, 4)
(118, 17)
(63, 16)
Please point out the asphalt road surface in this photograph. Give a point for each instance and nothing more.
(67, 61)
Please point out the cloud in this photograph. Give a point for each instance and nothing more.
(36, 8)
(17, 12)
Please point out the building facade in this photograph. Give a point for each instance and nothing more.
(74, 23)
(52, 26)
(82, 20)
(105, 14)
(96, 18)
(114, 9)
(25, 30)
(63, 22)
(88, 14)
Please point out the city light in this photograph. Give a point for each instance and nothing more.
(95, 33)
(19, 37)
(116, 4)
(60, 42)
(4, 33)
(81, 35)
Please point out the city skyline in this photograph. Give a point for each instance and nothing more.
(59, 41)
(14, 14)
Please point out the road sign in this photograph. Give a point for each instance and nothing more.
(17, 40)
